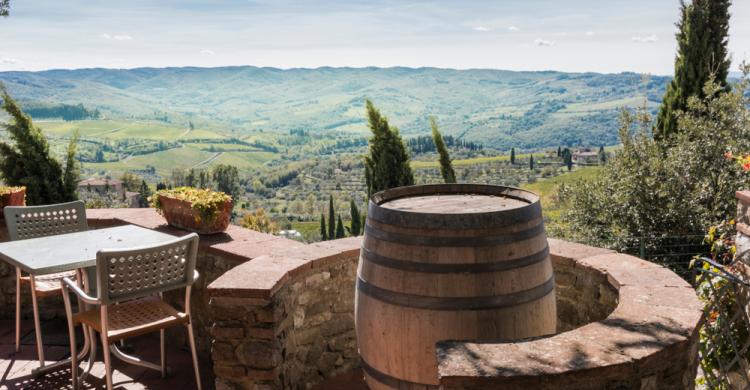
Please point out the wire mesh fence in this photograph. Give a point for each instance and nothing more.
(674, 252)
(724, 347)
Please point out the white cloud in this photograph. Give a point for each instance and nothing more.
(543, 42)
(120, 37)
(8, 60)
(645, 39)
(589, 33)
(207, 52)
(482, 28)
(513, 28)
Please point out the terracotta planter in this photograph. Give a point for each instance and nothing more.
(13, 198)
(180, 214)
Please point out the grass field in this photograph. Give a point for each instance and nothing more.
(547, 188)
(116, 129)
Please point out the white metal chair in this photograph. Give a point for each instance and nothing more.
(129, 303)
(25, 222)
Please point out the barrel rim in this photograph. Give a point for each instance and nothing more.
(415, 219)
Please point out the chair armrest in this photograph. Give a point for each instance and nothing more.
(69, 284)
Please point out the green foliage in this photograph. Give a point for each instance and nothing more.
(145, 192)
(4, 7)
(340, 233)
(512, 155)
(208, 203)
(648, 191)
(227, 179)
(356, 226)
(602, 156)
(701, 54)
(446, 168)
(331, 219)
(323, 230)
(531, 162)
(387, 166)
(27, 160)
(260, 222)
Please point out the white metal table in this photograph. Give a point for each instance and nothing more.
(76, 251)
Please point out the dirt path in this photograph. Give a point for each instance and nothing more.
(208, 160)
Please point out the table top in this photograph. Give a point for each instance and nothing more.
(68, 252)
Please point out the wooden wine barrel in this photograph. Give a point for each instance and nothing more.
(448, 262)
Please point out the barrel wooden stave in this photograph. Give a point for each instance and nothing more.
(485, 276)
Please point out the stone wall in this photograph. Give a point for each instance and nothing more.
(294, 331)
(624, 323)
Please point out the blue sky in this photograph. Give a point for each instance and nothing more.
(570, 35)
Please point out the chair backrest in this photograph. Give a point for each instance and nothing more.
(124, 274)
(26, 222)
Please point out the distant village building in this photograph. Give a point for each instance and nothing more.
(585, 157)
(107, 193)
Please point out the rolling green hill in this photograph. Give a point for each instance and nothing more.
(501, 109)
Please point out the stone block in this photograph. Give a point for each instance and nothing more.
(227, 333)
(259, 354)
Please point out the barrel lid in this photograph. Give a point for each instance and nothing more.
(452, 206)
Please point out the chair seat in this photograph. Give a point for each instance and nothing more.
(134, 318)
(49, 284)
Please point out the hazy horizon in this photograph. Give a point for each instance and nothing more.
(578, 36)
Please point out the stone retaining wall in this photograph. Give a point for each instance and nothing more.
(293, 326)
(624, 323)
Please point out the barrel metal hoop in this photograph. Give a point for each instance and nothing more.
(393, 382)
(456, 303)
(477, 241)
(454, 267)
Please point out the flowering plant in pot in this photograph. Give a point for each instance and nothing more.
(198, 210)
(12, 196)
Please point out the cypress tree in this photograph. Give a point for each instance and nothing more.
(331, 219)
(323, 231)
(356, 227)
(446, 167)
(531, 162)
(701, 54)
(602, 156)
(512, 155)
(387, 165)
(559, 151)
(340, 228)
(26, 161)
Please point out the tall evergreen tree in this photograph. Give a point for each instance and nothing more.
(340, 228)
(512, 155)
(331, 219)
(559, 151)
(145, 193)
(446, 167)
(356, 227)
(26, 160)
(701, 54)
(387, 165)
(323, 231)
(602, 156)
(531, 161)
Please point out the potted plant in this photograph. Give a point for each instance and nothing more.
(12, 196)
(198, 210)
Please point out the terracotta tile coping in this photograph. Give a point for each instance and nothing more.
(236, 243)
(657, 312)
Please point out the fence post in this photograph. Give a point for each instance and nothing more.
(641, 248)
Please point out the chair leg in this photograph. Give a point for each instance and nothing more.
(37, 323)
(18, 309)
(107, 359)
(72, 337)
(195, 355)
(163, 354)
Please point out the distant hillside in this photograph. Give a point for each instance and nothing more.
(503, 109)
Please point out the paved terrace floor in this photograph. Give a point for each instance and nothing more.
(15, 368)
